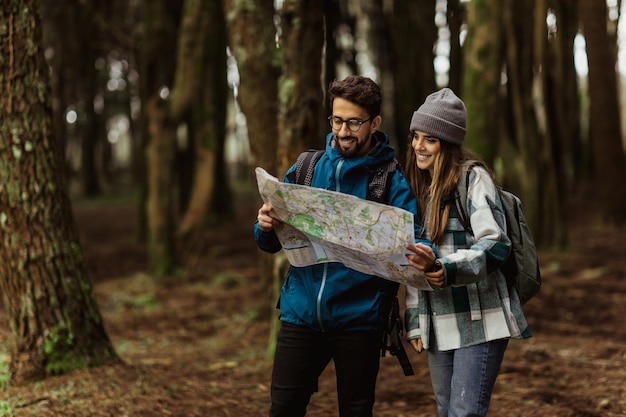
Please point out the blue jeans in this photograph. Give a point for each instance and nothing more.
(301, 356)
(463, 379)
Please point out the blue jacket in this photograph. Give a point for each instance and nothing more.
(331, 296)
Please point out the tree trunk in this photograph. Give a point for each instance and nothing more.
(562, 111)
(300, 86)
(210, 188)
(252, 35)
(332, 54)
(87, 123)
(605, 133)
(157, 64)
(482, 75)
(53, 317)
(456, 18)
(532, 177)
(411, 23)
(161, 185)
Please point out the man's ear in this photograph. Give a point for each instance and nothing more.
(376, 121)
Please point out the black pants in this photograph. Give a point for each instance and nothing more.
(301, 356)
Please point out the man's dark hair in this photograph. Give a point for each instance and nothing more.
(359, 90)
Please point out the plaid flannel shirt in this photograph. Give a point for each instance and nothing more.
(475, 305)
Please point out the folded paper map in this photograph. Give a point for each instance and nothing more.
(327, 226)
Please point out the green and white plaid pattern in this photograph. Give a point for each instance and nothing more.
(475, 306)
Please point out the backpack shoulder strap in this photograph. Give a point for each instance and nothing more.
(379, 181)
(305, 165)
(460, 199)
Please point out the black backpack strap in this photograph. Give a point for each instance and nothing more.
(392, 338)
(379, 181)
(460, 199)
(305, 165)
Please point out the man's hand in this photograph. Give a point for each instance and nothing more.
(266, 222)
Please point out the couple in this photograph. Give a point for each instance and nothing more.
(329, 311)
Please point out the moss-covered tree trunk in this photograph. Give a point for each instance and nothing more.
(482, 76)
(54, 321)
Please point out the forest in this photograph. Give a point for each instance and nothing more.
(129, 134)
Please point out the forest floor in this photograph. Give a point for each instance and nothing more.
(195, 344)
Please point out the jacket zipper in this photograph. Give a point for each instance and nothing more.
(319, 298)
(337, 172)
(321, 291)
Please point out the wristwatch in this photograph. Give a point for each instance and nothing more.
(436, 266)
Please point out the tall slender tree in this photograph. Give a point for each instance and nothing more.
(455, 15)
(562, 110)
(300, 88)
(199, 100)
(252, 39)
(161, 20)
(54, 321)
(482, 73)
(605, 132)
(525, 34)
(413, 33)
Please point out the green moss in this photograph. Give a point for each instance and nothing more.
(285, 92)
(58, 350)
(17, 152)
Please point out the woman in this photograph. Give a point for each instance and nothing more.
(466, 322)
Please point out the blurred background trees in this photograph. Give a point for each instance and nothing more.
(181, 99)
(176, 101)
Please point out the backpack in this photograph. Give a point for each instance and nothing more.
(521, 268)
(378, 185)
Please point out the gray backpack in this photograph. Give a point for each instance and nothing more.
(521, 269)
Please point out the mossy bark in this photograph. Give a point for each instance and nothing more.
(54, 321)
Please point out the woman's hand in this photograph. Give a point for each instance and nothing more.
(422, 257)
(266, 222)
(417, 345)
(437, 278)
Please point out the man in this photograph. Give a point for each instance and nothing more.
(329, 311)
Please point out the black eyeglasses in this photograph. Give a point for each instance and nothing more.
(353, 124)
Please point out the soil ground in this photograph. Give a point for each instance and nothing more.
(195, 344)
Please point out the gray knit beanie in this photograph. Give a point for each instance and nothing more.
(443, 116)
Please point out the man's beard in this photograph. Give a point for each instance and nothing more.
(353, 152)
